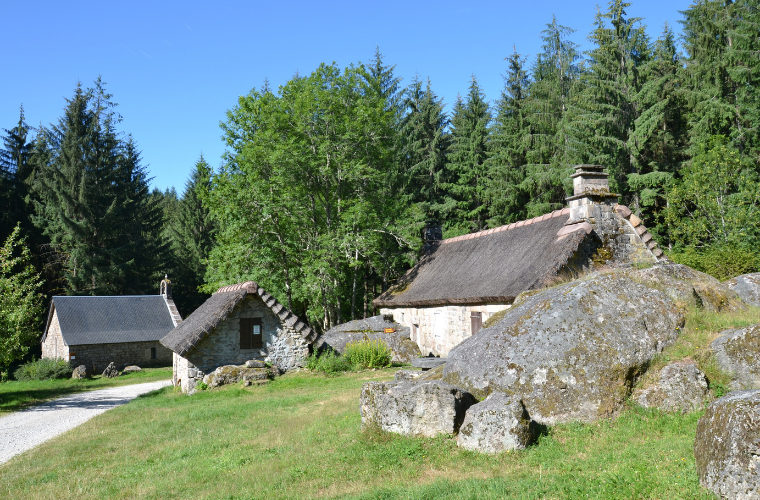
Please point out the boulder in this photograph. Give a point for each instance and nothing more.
(570, 353)
(747, 286)
(428, 363)
(499, 423)
(737, 352)
(111, 371)
(79, 373)
(255, 363)
(404, 375)
(131, 369)
(682, 388)
(414, 408)
(688, 287)
(232, 374)
(727, 446)
(404, 349)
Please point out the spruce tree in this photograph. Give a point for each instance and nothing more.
(508, 148)
(466, 207)
(15, 178)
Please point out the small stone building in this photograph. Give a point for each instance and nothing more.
(95, 331)
(238, 323)
(460, 282)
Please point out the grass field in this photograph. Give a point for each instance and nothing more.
(300, 437)
(15, 395)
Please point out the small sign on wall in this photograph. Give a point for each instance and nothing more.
(389, 330)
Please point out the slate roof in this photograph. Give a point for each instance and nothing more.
(110, 320)
(492, 266)
(203, 320)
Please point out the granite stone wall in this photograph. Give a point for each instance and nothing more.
(282, 345)
(54, 346)
(438, 329)
(96, 357)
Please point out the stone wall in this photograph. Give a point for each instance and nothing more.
(438, 329)
(54, 346)
(96, 357)
(282, 345)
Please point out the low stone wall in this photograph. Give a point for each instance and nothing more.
(438, 329)
(96, 357)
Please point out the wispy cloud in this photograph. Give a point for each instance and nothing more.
(188, 27)
(146, 55)
(167, 43)
(127, 48)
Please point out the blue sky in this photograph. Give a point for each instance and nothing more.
(175, 68)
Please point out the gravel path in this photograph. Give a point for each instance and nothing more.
(23, 430)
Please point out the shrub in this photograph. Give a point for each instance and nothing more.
(368, 354)
(43, 369)
(328, 362)
(720, 261)
(201, 386)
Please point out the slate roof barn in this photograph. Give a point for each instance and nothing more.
(94, 331)
(460, 282)
(238, 323)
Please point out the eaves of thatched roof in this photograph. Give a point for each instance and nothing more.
(218, 307)
(492, 266)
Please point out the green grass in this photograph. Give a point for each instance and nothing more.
(15, 395)
(300, 437)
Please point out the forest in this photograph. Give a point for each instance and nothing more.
(328, 180)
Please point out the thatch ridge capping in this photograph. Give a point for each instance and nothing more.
(507, 227)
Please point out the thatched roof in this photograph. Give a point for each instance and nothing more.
(492, 266)
(216, 309)
(87, 319)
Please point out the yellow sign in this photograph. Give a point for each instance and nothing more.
(390, 330)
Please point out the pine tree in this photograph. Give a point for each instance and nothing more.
(508, 148)
(15, 178)
(192, 235)
(467, 210)
(552, 149)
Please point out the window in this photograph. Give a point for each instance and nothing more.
(250, 333)
(152, 353)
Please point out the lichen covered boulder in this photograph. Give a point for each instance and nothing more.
(688, 287)
(570, 353)
(131, 369)
(403, 348)
(499, 423)
(737, 352)
(232, 374)
(111, 371)
(727, 446)
(747, 286)
(682, 387)
(79, 373)
(414, 408)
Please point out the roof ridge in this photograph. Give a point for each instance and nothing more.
(507, 227)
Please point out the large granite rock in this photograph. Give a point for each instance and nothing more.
(232, 374)
(414, 408)
(737, 352)
(131, 369)
(79, 373)
(404, 349)
(111, 371)
(499, 423)
(688, 287)
(727, 446)
(572, 352)
(682, 388)
(747, 286)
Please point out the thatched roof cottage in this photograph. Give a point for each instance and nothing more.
(238, 323)
(460, 282)
(126, 330)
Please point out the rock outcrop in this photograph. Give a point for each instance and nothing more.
(727, 446)
(499, 423)
(688, 287)
(572, 352)
(414, 408)
(131, 369)
(111, 371)
(737, 352)
(682, 388)
(747, 286)
(399, 342)
(232, 374)
(79, 373)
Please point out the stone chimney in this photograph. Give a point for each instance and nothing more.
(432, 233)
(165, 288)
(590, 187)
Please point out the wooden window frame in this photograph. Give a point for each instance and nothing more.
(476, 322)
(249, 340)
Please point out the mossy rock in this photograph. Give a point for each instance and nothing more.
(737, 353)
